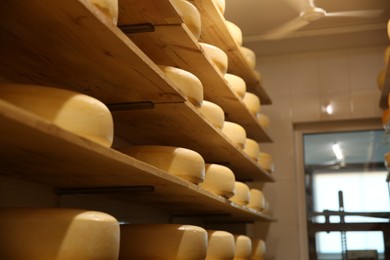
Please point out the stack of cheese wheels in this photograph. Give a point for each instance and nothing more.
(250, 56)
(252, 102)
(187, 82)
(256, 200)
(220, 180)
(190, 16)
(108, 7)
(181, 162)
(221, 245)
(380, 79)
(252, 148)
(265, 161)
(243, 247)
(235, 133)
(54, 234)
(236, 84)
(258, 249)
(213, 113)
(235, 32)
(217, 56)
(242, 194)
(263, 120)
(220, 5)
(74, 112)
(162, 241)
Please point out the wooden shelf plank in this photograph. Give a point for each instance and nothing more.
(174, 45)
(214, 31)
(173, 124)
(71, 44)
(383, 103)
(35, 150)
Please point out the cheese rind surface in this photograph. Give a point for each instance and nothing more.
(221, 245)
(236, 83)
(213, 113)
(235, 133)
(190, 15)
(242, 194)
(220, 180)
(217, 56)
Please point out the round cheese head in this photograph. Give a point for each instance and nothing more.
(57, 234)
(190, 16)
(252, 148)
(235, 133)
(77, 113)
(213, 113)
(258, 249)
(242, 194)
(252, 102)
(256, 201)
(263, 120)
(220, 245)
(220, 180)
(265, 161)
(243, 247)
(220, 5)
(380, 79)
(181, 162)
(162, 241)
(108, 7)
(235, 32)
(187, 82)
(236, 83)
(217, 56)
(249, 56)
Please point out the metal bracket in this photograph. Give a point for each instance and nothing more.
(104, 190)
(136, 28)
(141, 105)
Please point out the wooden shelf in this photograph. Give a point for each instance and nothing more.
(214, 31)
(35, 150)
(173, 45)
(385, 91)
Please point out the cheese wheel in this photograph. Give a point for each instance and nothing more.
(235, 32)
(236, 83)
(386, 118)
(258, 76)
(235, 133)
(263, 120)
(187, 82)
(181, 162)
(78, 113)
(243, 247)
(258, 249)
(388, 29)
(256, 201)
(221, 4)
(242, 194)
(58, 234)
(162, 241)
(190, 16)
(265, 161)
(220, 180)
(108, 7)
(213, 113)
(380, 79)
(220, 245)
(217, 56)
(249, 56)
(252, 102)
(252, 148)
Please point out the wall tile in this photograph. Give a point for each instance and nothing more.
(276, 74)
(333, 70)
(304, 73)
(280, 113)
(306, 107)
(365, 103)
(340, 101)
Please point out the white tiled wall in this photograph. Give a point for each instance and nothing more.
(299, 86)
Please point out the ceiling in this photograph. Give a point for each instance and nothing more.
(257, 17)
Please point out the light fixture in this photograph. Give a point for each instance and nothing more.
(337, 151)
(329, 109)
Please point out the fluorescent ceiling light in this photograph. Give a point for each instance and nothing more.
(337, 151)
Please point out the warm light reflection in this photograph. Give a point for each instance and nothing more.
(337, 151)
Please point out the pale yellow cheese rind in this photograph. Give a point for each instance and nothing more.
(249, 56)
(190, 15)
(220, 180)
(221, 245)
(258, 249)
(256, 201)
(263, 120)
(235, 133)
(162, 241)
(252, 148)
(243, 247)
(242, 194)
(213, 113)
(380, 79)
(58, 234)
(181, 162)
(108, 7)
(217, 56)
(78, 113)
(221, 5)
(236, 83)
(252, 102)
(265, 161)
(235, 32)
(187, 82)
